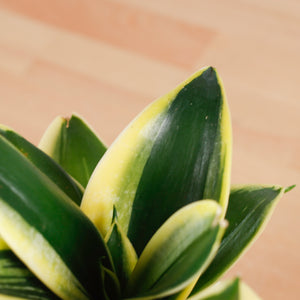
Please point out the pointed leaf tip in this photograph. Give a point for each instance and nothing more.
(73, 144)
(122, 252)
(289, 188)
(249, 210)
(177, 151)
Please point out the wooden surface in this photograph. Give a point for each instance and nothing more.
(106, 60)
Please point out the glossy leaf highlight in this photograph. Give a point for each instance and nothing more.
(178, 252)
(178, 150)
(47, 230)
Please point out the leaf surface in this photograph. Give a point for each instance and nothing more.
(3, 245)
(250, 208)
(47, 231)
(177, 151)
(228, 290)
(17, 281)
(74, 145)
(44, 163)
(122, 252)
(178, 252)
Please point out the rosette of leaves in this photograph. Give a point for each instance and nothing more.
(152, 217)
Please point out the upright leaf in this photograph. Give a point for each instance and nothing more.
(250, 208)
(44, 163)
(228, 290)
(122, 252)
(178, 150)
(178, 252)
(17, 281)
(74, 145)
(47, 231)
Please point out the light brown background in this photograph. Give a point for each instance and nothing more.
(107, 59)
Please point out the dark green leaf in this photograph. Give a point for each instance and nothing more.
(175, 152)
(47, 230)
(122, 252)
(17, 281)
(111, 285)
(44, 163)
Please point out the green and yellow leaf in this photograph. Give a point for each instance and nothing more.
(228, 290)
(3, 245)
(44, 163)
(47, 231)
(122, 252)
(250, 208)
(74, 145)
(178, 252)
(178, 150)
(17, 282)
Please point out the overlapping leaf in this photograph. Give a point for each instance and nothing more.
(178, 252)
(44, 163)
(47, 230)
(228, 290)
(144, 196)
(17, 281)
(175, 152)
(250, 207)
(74, 145)
(122, 252)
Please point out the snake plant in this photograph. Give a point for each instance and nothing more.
(151, 217)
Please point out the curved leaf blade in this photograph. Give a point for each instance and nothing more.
(250, 208)
(74, 145)
(178, 150)
(178, 252)
(44, 163)
(184, 294)
(233, 289)
(17, 281)
(42, 226)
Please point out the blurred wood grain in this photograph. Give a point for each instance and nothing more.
(107, 60)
